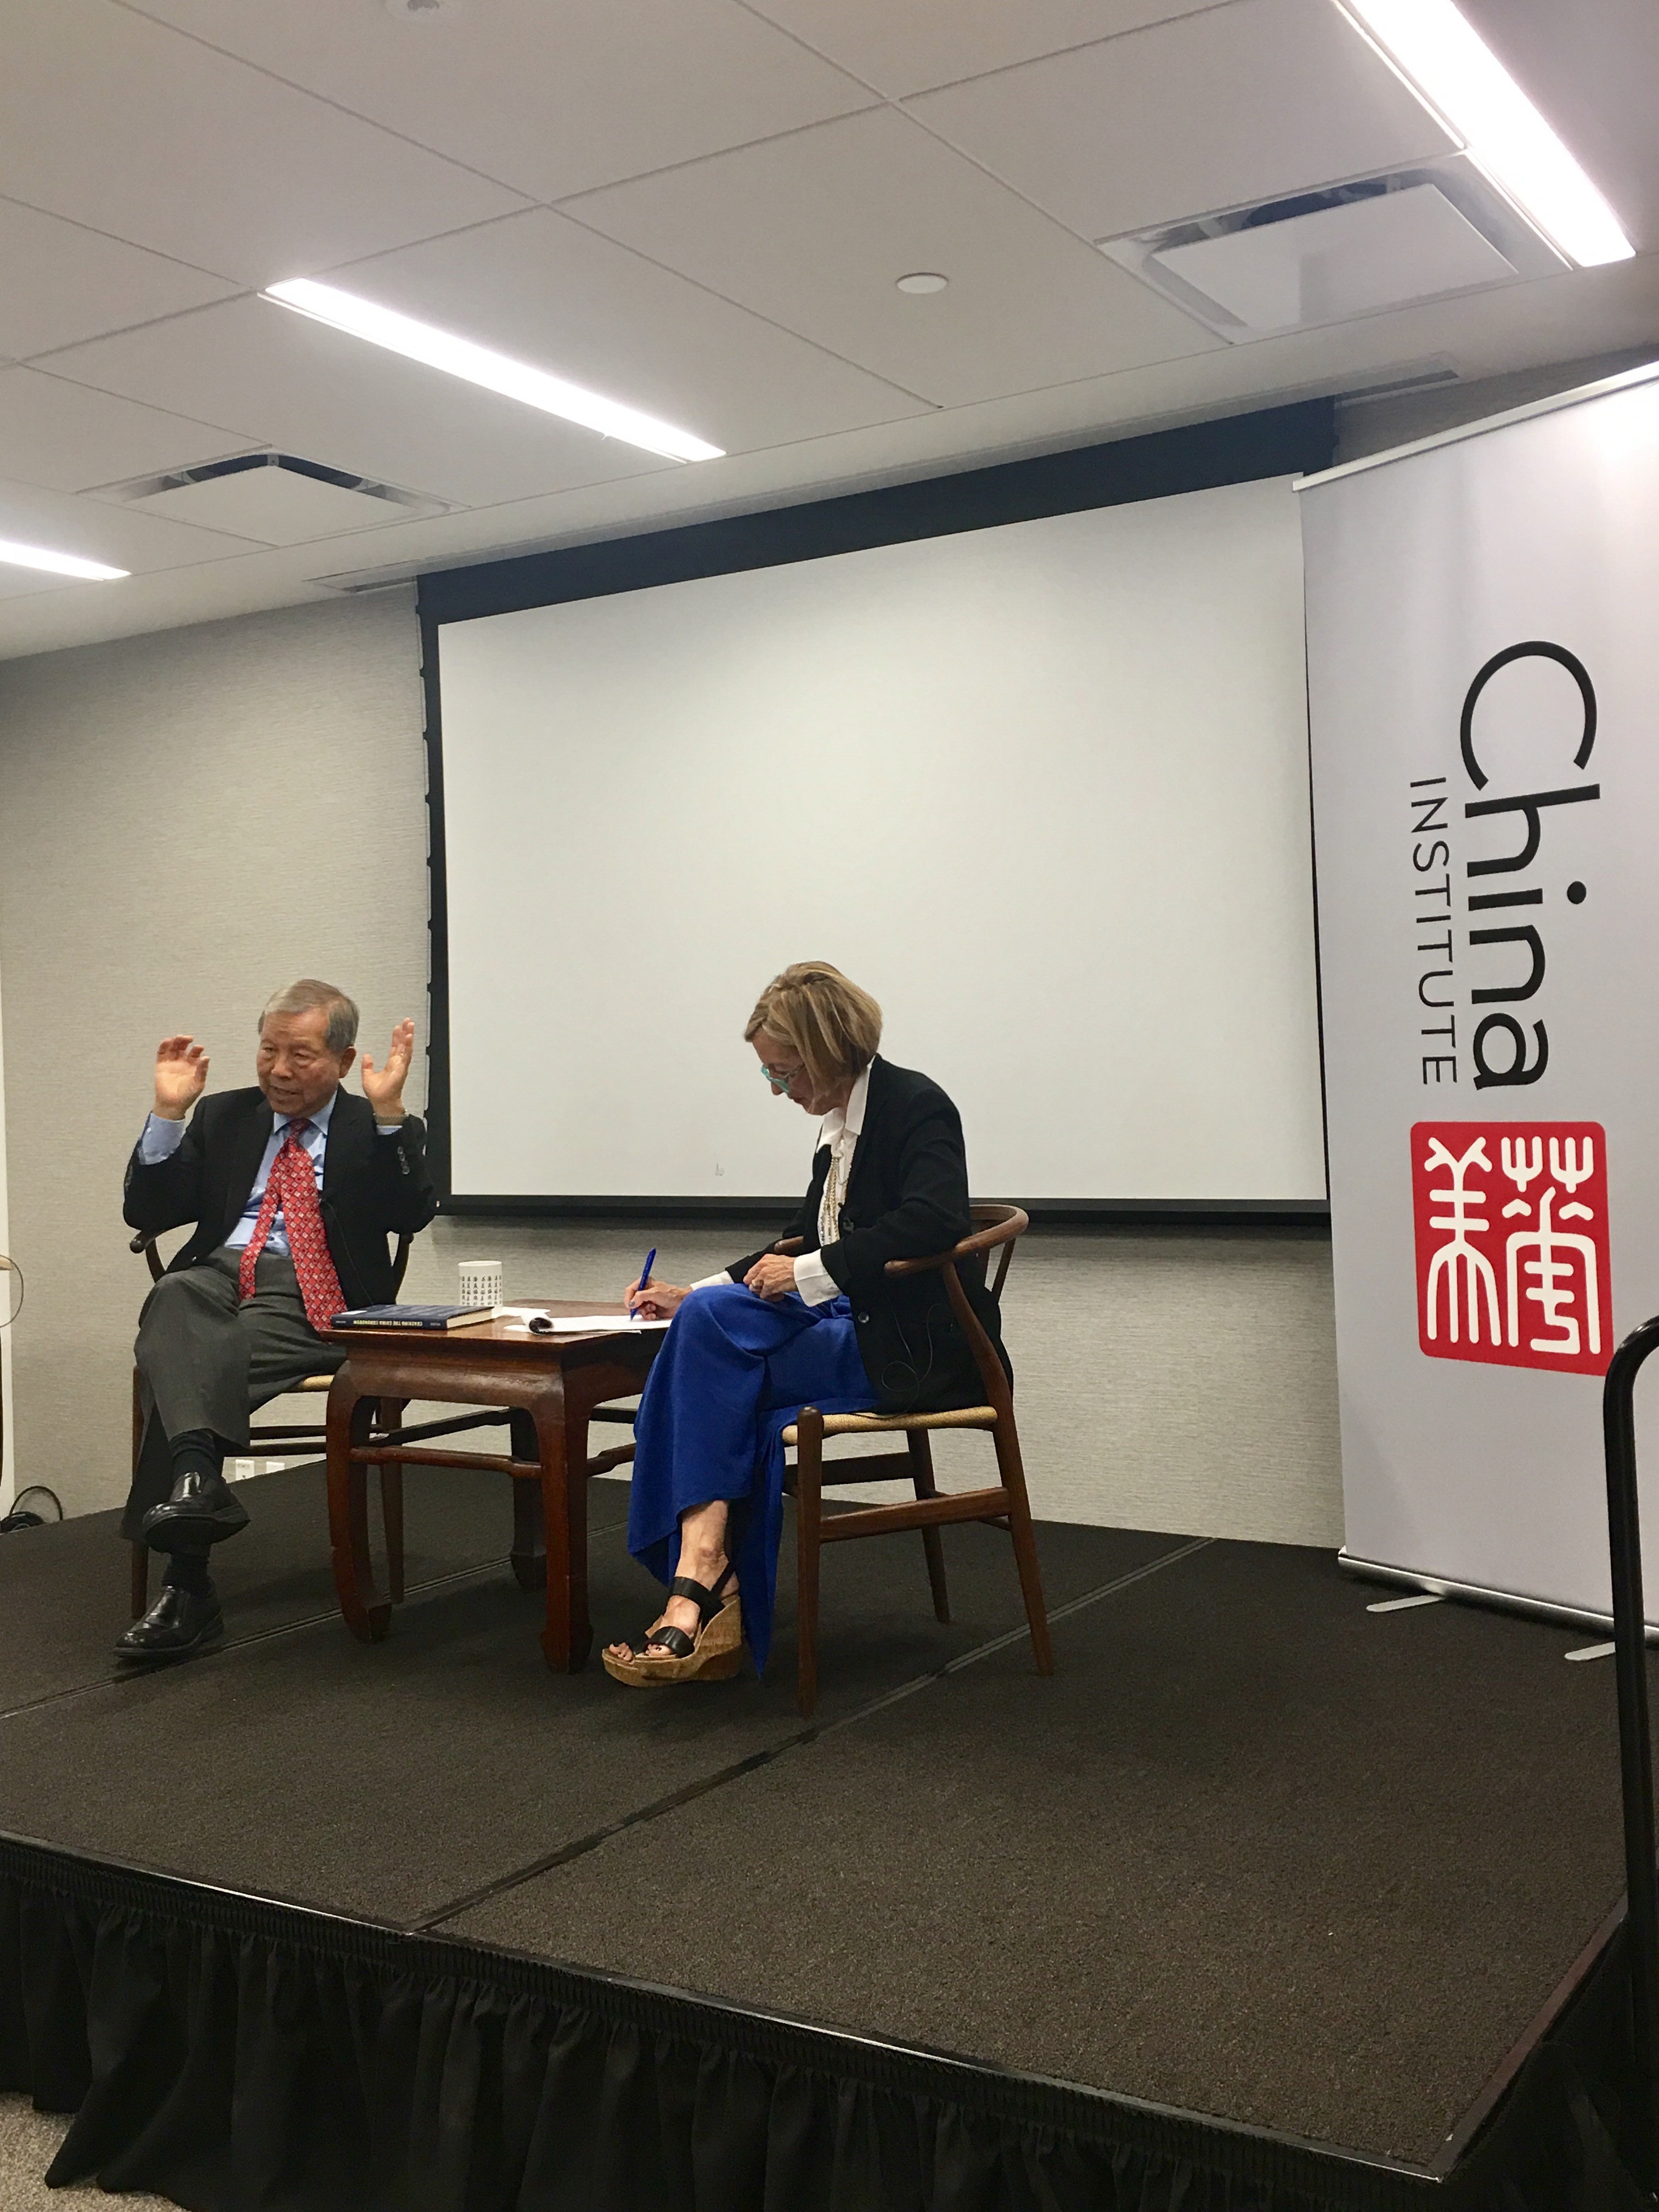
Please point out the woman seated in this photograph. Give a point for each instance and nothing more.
(826, 1328)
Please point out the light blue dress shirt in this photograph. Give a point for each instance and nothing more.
(161, 1140)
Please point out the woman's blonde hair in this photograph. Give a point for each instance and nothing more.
(833, 1025)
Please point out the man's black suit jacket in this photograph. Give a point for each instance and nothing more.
(907, 1197)
(373, 1186)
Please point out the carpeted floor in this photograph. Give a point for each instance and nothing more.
(28, 2143)
(393, 1780)
(1253, 1851)
(63, 1589)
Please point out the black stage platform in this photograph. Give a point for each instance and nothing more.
(1262, 1899)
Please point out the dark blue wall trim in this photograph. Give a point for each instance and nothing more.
(1279, 441)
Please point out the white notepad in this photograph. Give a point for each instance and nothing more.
(576, 1324)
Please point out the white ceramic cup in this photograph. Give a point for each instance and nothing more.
(481, 1283)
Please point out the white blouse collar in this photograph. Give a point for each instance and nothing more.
(851, 1118)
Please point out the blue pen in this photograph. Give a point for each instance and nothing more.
(645, 1272)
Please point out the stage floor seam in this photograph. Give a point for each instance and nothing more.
(811, 1733)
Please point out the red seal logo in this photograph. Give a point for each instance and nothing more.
(1512, 1258)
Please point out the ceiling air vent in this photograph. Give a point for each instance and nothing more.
(275, 499)
(1326, 257)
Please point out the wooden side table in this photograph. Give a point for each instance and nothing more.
(550, 1389)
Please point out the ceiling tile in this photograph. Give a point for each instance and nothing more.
(278, 379)
(1214, 111)
(25, 583)
(907, 46)
(815, 230)
(59, 281)
(1594, 70)
(97, 530)
(119, 124)
(65, 436)
(551, 99)
(542, 288)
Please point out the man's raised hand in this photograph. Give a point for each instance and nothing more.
(181, 1075)
(384, 1087)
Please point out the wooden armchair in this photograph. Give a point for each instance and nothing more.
(1006, 1506)
(285, 1438)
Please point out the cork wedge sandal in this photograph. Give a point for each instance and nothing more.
(668, 1654)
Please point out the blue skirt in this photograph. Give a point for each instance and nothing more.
(733, 1372)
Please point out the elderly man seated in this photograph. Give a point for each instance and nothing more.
(293, 1186)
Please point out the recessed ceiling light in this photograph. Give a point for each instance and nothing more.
(923, 280)
(1467, 88)
(59, 564)
(496, 371)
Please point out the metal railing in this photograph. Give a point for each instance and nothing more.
(1635, 1751)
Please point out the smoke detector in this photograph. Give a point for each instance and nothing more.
(420, 11)
(1325, 256)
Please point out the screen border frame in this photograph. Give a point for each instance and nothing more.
(1295, 440)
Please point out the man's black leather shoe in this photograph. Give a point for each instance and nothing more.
(202, 1509)
(177, 1626)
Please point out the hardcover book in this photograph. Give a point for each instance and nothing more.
(410, 1316)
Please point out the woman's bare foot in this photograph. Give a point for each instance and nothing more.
(702, 1559)
(704, 1567)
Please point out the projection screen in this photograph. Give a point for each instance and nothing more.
(1042, 788)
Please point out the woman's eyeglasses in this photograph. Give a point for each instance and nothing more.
(781, 1077)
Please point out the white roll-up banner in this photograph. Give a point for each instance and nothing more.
(1483, 637)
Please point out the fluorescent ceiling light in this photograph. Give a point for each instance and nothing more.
(497, 372)
(1464, 85)
(59, 564)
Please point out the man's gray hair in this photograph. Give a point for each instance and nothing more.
(300, 998)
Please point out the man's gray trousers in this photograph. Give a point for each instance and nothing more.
(207, 1359)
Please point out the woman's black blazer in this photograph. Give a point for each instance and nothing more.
(906, 1196)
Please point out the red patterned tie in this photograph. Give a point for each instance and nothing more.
(292, 1185)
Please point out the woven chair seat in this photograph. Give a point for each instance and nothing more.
(872, 1425)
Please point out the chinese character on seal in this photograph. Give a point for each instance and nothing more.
(1512, 1255)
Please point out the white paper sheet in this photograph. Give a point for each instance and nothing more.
(575, 1324)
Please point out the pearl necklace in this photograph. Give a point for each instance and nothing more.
(835, 1190)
